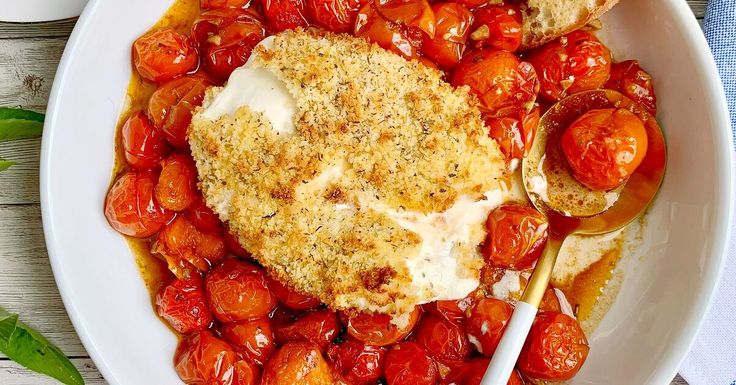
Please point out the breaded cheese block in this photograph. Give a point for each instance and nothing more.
(350, 173)
(546, 20)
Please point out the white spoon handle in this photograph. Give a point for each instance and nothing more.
(507, 352)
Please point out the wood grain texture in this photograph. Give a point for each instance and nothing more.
(12, 374)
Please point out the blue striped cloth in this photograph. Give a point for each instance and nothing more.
(712, 360)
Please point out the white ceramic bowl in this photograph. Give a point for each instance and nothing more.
(39, 10)
(643, 338)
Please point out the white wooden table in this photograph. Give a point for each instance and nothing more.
(29, 54)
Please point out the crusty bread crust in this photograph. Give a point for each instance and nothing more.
(546, 20)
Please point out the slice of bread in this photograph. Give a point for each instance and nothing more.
(546, 20)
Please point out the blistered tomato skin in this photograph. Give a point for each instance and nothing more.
(284, 14)
(442, 338)
(377, 329)
(131, 207)
(516, 235)
(171, 105)
(604, 147)
(336, 16)
(410, 13)
(203, 358)
(245, 373)
(399, 39)
(486, 324)
(450, 310)
(291, 298)
(182, 246)
(319, 327)
(514, 133)
(497, 26)
(223, 4)
(144, 146)
(254, 339)
(573, 63)
(297, 363)
(477, 369)
(631, 80)
(453, 23)
(177, 184)
(237, 291)
(202, 217)
(555, 349)
(408, 363)
(356, 362)
(163, 55)
(183, 305)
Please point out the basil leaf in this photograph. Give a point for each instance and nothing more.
(18, 113)
(5, 164)
(29, 348)
(16, 123)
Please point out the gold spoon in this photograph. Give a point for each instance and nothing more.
(573, 209)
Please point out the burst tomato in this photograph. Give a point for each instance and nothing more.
(226, 38)
(477, 369)
(407, 363)
(131, 207)
(254, 339)
(453, 311)
(487, 323)
(183, 305)
(222, 4)
(504, 84)
(356, 362)
(631, 80)
(497, 26)
(202, 217)
(298, 362)
(182, 245)
(443, 339)
(233, 245)
(334, 15)
(514, 133)
(604, 147)
(237, 291)
(204, 359)
(570, 64)
(163, 55)
(171, 105)
(292, 298)
(320, 327)
(516, 235)
(144, 146)
(555, 349)
(451, 34)
(411, 13)
(284, 14)
(177, 184)
(377, 329)
(400, 39)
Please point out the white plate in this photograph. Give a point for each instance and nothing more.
(643, 338)
(39, 10)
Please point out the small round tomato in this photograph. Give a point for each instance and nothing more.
(504, 84)
(222, 4)
(298, 362)
(573, 63)
(181, 241)
(334, 15)
(400, 39)
(226, 38)
(411, 13)
(284, 14)
(407, 363)
(144, 146)
(497, 26)
(292, 298)
(451, 310)
(202, 217)
(204, 359)
(451, 34)
(356, 362)
(516, 235)
(177, 184)
(171, 105)
(477, 369)
(377, 329)
(320, 327)
(473, 4)
(254, 339)
(555, 349)
(131, 207)
(237, 291)
(604, 147)
(245, 373)
(550, 301)
(514, 133)
(163, 55)
(234, 246)
(631, 80)
(183, 305)
(487, 323)
(442, 338)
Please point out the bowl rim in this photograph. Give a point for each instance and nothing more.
(725, 176)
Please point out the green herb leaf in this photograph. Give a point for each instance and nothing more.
(5, 164)
(16, 123)
(29, 348)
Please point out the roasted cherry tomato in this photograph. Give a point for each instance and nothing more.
(284, 14)
(550, 302)
(298, 362)
(177, 184)
(222, 4)
(477, 369)
(144, 146)
(570, 64)
(171, 105)
(356, 362)
(514, 133)
(254, 339)
(226, 38)
(245, 373)
(408, 363)
(204, 359)
(453, 311)
(203, 218)
(604, 147)
(131, 207)
(183, 305)
(631, 80)
(237, 291)
(473, 4)
(410, 13)
(555, 349)
(163, 55)
(181, 242)
(377, 329)
(504, 84)
(516, 235)
(442, 338)
(487, 323)
(451, 34)
(233, 245)
(292, 298)
(497, 26)
(334, 15)
(320, 327)
(400, 39)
